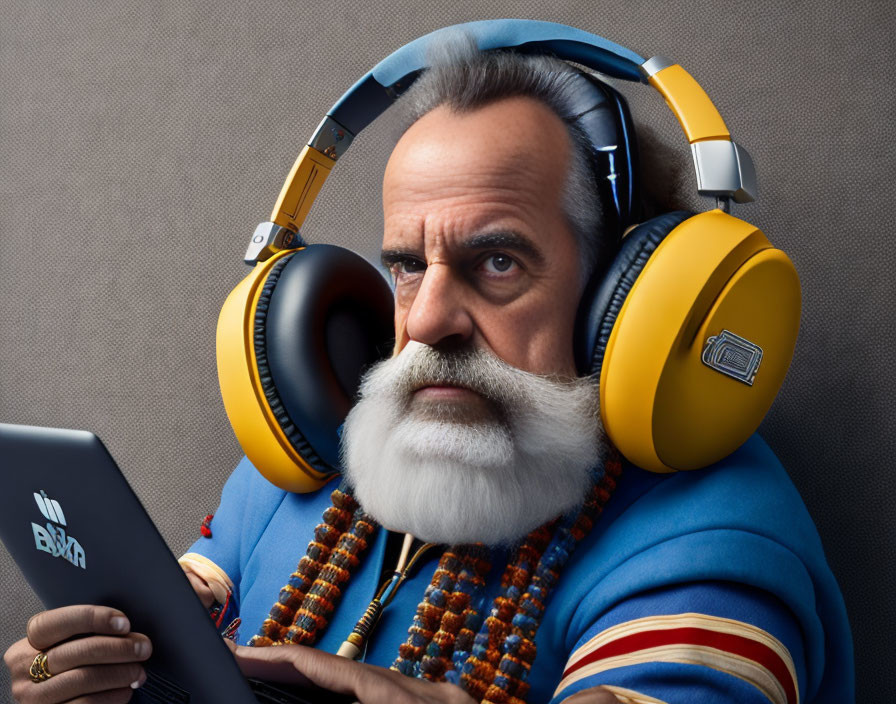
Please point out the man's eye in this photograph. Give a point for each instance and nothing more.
(403, 267)
(498, 264)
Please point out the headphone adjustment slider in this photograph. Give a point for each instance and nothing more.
(331, 138)
(268, 239)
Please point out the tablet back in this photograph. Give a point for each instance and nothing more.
(80, 536)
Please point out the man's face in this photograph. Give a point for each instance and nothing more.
(477, 239)
(477, 430)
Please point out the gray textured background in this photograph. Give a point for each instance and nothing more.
(140, 145)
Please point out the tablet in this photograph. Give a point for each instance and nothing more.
(80, 535)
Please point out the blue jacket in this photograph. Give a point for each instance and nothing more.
(706, 586)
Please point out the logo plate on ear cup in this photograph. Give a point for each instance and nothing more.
(733, 355)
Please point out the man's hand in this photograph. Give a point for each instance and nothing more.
(200, 586)
(594, 695)
(297, 664)
(99, 666)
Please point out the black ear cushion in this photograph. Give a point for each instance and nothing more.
(605, 295)
(324, 316)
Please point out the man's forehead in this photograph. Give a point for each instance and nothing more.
(473, 173)
(446, 172)
(499, 138)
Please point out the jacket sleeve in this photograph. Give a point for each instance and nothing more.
(740, 523)
(711, 642)
(248, 501)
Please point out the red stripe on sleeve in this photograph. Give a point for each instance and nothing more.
(728, 642)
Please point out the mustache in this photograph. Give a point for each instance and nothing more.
(419, 365)
(467, 368)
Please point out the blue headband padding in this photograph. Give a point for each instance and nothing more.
(373, 93)
(566, 42)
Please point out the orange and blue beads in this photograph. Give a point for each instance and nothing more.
(448, 640)
(296, 600)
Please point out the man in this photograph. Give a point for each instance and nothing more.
(479, 432)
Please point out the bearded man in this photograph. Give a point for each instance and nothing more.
(512, 527)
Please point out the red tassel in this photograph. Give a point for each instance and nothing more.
(205, 529)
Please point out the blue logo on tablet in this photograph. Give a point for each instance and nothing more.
(53, 538)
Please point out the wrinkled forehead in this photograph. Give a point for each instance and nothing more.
(514, 145)
(455, 175)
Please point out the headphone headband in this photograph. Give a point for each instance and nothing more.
(724, 169)
(374, 92)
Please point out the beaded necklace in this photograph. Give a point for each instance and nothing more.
(448, 639)
(306, 602)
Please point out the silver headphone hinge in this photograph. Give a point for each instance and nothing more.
(725, 170)
(331, 138)
(268, 239)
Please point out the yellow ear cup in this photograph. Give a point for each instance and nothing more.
(253, 422)
(662, 406)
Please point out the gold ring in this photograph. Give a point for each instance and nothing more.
(39, 671)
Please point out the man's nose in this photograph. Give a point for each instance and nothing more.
(439, 312)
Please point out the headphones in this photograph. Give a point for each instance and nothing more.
(691, 327)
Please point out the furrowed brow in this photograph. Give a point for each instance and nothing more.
(512, 241)
(392, 256)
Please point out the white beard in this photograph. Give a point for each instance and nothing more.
(453, 480)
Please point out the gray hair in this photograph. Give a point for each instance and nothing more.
(465, 79)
